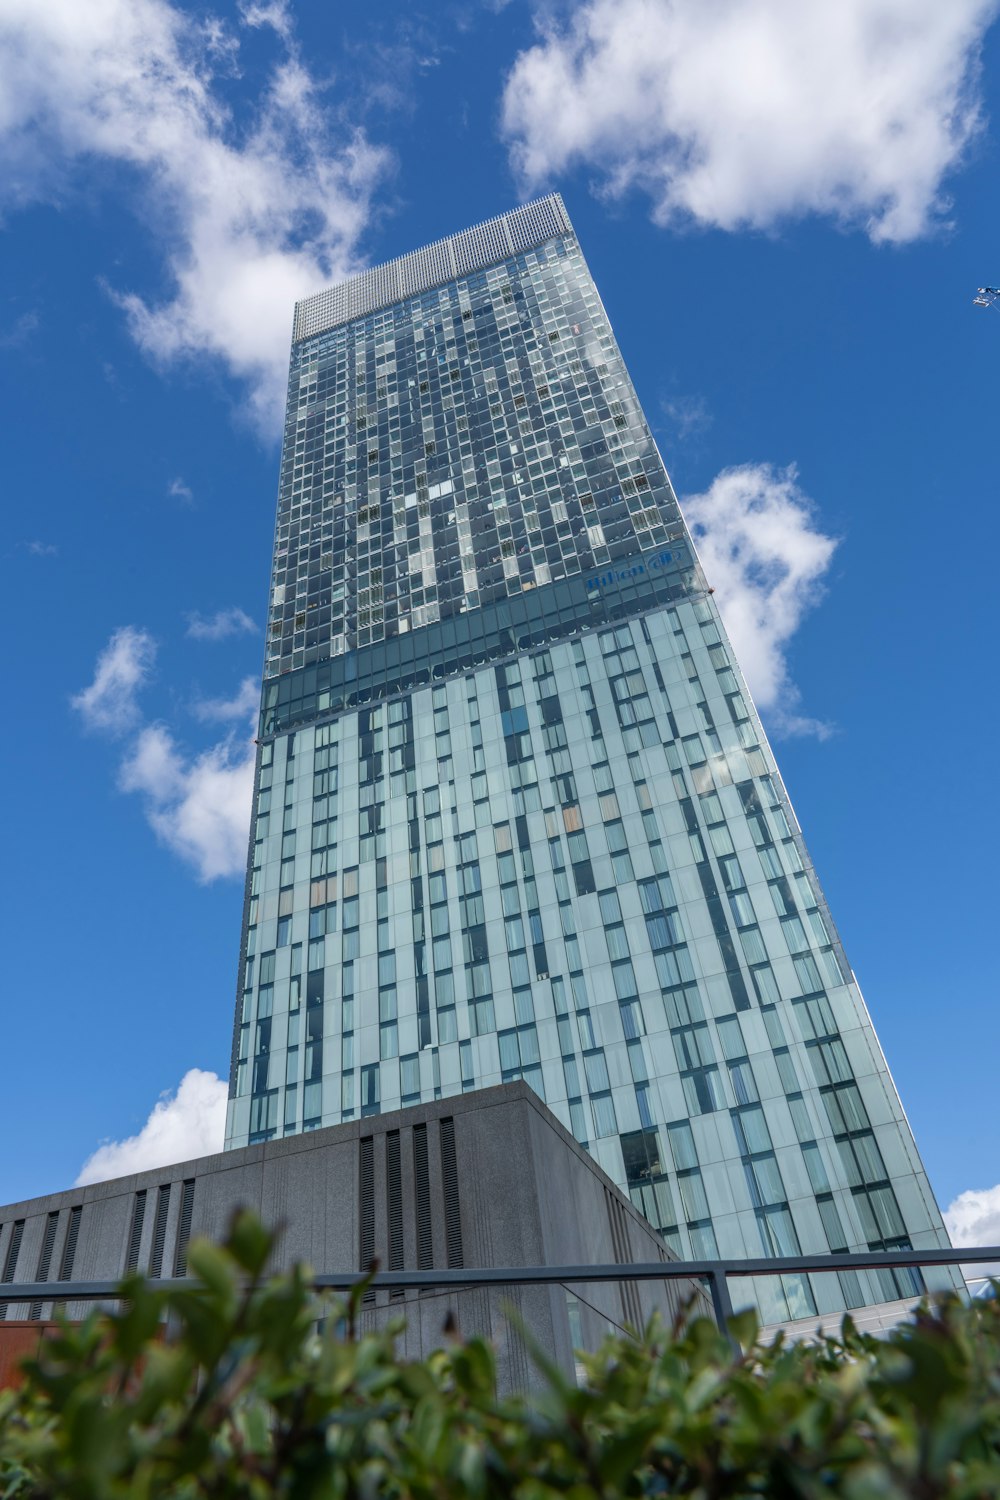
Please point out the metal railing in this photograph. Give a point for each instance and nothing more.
(715, 1273)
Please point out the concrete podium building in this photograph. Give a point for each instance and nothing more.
(515, 815)
(487, 1181)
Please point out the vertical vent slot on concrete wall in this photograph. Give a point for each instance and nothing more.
(10, 1259)
(184, 1228)
(159, 1229)
(613, 1227)
(449, 1182)
(627, 1291)
(631, 1289)
(394, 1206)
(422, 1194)
(45, 1261)
(69, 1249)
(366, 1208)
(135, 1232)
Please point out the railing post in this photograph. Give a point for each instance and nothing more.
(722, 1304)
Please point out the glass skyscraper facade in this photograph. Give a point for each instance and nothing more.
(515, 815)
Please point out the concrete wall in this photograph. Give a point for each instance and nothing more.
(523, 1193)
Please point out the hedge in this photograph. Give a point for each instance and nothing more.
(242, 1397)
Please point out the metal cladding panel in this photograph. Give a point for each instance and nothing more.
(426, 268)
(421, 270)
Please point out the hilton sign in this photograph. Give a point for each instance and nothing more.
(648, 565)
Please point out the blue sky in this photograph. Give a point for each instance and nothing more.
(787, 210)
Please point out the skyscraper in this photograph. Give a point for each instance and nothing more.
(515, 815)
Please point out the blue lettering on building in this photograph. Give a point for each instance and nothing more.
(605, 580)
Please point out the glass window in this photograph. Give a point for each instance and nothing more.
(753, 945)
(703, 1242)
(694, 1203)
(682, 1145)
(742, 909)
(447, 1024)
(786, 1071)
(815, 1167)
(766, 985)
(603, 1109)
(370, 1087)
(578, 1122)
(683, 1005)
(752, 1134)
(597, 1071)
(777, 1232)
(807, 973)
(870, 1164)
(800, 1118)
(703, 1091)
(510, 1054)
(528, 1040)
(795, 935)
(742, 1079)
(624, 979)
(833, 1228)
(515, 932)
(764, 1181)
(631, 1014)
(693, 1047)
(441, 950)
(829, 1061)
(730, 1037)
(481, 1017)
(611, 911)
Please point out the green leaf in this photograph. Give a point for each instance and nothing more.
(249, 1243)
(235, 1397)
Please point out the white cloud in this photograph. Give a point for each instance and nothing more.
(242, 705)
(973, 1218)
(743, 113)
(179, 489)
(198, 806)
(123, 667)
(184, 1125)
(20, 331)
(221, 625)
(689, 416)
(273, 13)
(42, 549)
(249, 214)
(766, 558)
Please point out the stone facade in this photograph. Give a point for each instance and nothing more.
(488, 1179)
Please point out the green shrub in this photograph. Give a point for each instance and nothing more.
(241, 1398)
